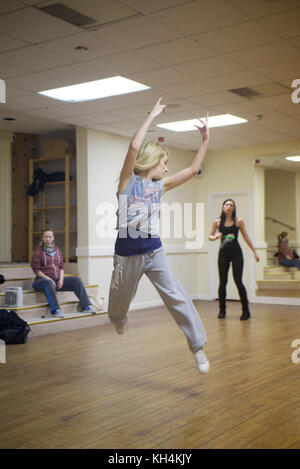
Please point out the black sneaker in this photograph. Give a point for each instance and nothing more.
(245, 315)
(222, 315)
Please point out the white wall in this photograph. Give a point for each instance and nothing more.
(280, 199)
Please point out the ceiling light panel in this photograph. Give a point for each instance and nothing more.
(95, 89)
(213, 121)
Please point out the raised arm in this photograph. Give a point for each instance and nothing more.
(183, 176)
(241, 225)
(136, 143)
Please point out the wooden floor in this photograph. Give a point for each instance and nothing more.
(95, 389)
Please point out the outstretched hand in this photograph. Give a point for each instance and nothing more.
(204, 131)
(158, 108)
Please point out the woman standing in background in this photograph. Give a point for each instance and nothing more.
(228, 226)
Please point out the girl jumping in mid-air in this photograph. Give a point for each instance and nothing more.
(138, 248)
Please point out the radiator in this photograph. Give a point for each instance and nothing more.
(14, 296)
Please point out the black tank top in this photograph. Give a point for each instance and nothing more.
(229, 239)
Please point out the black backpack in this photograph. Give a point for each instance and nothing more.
(13, 330)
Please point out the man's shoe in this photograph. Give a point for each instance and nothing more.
(57, 314)
(245, 316)
(222, 314)
(202, 362)
(89, 309)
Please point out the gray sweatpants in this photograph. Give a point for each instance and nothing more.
(125, 278)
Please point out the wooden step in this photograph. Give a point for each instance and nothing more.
(33, 297)
(33, 321)
(278, 284)
(279, 293)
(274, 268)
(41, 311)
(35, 304)
(25, 283)
(69, 323)
(278, 276)
(24, 271)
(279, 268)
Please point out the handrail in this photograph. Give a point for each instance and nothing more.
(280, 223)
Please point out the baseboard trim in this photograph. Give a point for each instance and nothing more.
(156, 303)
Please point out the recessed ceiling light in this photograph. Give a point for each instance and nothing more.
(213, 121)
(293, 158)
(95, 89)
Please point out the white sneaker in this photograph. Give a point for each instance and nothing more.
(89, 309)
(57, 314)
(120, 328)
(202, 362)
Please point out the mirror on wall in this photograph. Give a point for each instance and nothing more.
(281, 214)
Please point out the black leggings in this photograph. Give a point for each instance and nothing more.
(226, 255)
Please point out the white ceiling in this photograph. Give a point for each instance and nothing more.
(192, 52)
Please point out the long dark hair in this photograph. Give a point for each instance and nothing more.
(223, 214)
(282, 236)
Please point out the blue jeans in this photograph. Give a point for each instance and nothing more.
(291, 263)
(73, 284)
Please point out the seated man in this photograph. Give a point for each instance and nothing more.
(47, 264)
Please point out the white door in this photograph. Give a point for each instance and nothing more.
(242, 201)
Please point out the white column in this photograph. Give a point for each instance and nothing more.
(5, 197)
(82, 185)
(259, 220)
(297, 209)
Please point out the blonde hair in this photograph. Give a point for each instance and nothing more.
(149, 155)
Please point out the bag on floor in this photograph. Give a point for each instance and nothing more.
(13, 329)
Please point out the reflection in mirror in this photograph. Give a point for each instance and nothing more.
(282, 215)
